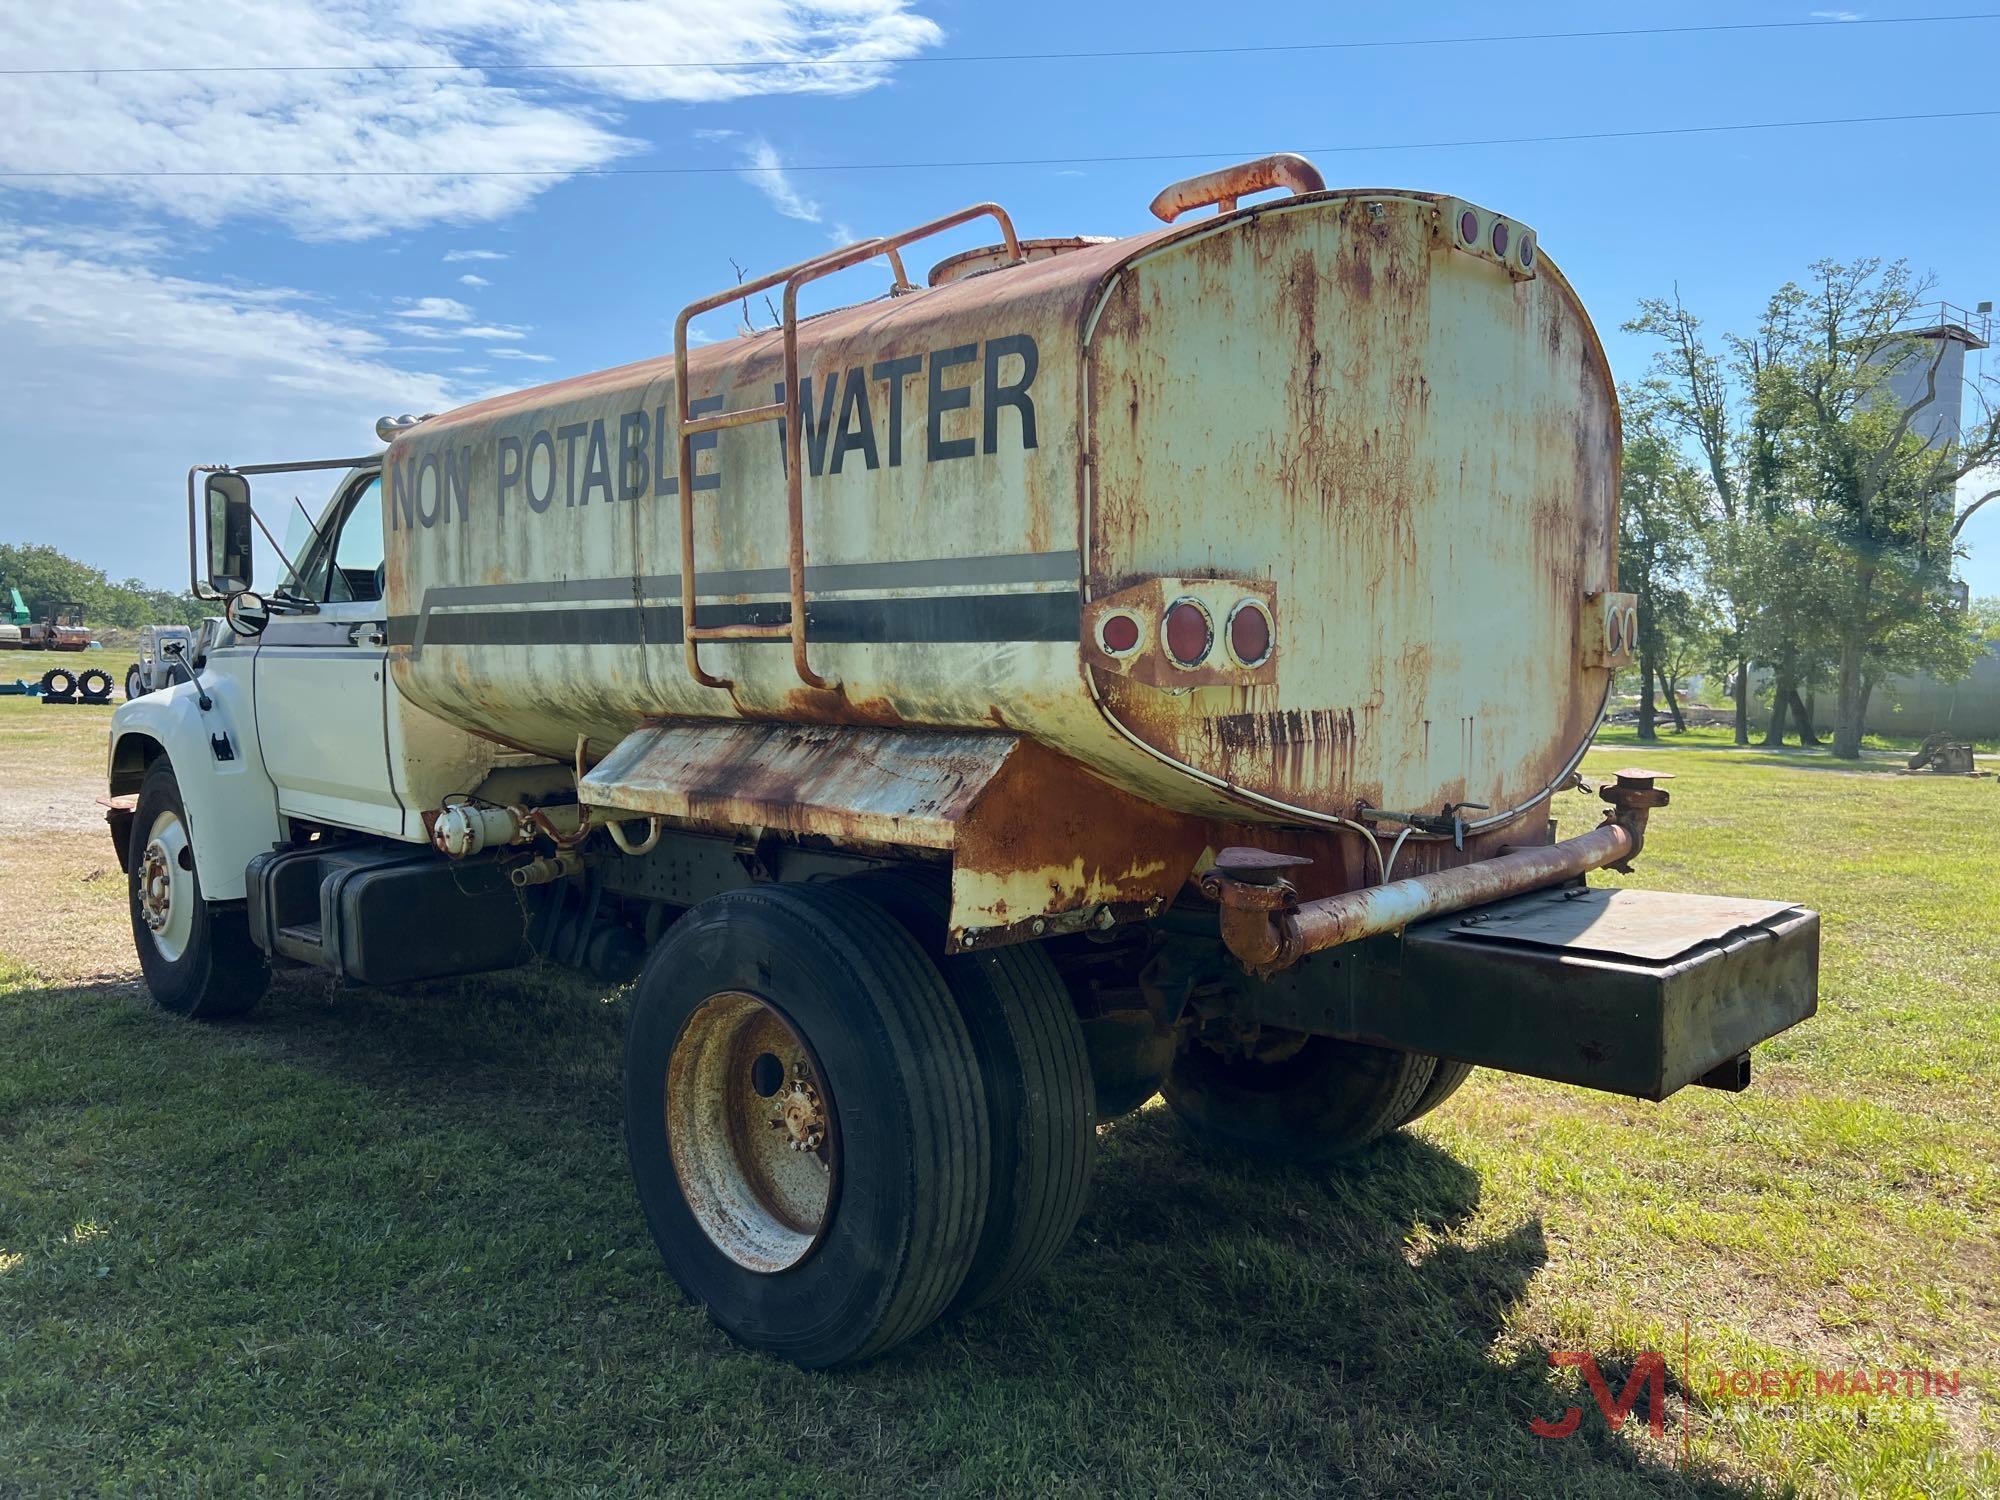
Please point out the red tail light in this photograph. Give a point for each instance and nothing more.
(1250, 634)
(1188, 633)
(1119, 633)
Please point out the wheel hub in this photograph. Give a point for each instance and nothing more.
(166, 896)
(751, 1126)
(156, 887)
(801, 1117)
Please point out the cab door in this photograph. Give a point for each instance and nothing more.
(321, 679)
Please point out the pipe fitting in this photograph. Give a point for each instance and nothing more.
(548, 868)
(1266, 927)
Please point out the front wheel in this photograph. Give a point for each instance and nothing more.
(806, 1123)
(1295, 1097)
(135, 684)
(198, 961)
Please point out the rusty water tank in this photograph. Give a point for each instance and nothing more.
(1283, 513)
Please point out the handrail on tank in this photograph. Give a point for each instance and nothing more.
(1225, 185)
(691, 426)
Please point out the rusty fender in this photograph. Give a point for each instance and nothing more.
(1267, 928)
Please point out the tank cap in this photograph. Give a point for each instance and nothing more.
(994, 257)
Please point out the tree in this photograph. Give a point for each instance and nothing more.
(47, 578)
(1830, 437)
(1873, 456)
(1694, 394)
(1662, 505)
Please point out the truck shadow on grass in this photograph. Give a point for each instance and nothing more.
(389, 1239)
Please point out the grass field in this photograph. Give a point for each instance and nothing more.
(377, 1242)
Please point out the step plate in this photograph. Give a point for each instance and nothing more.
(1633, 992)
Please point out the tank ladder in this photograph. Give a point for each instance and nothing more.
(691, 426)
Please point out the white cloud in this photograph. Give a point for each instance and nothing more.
(762, 171)
(540, 359)
(312, 124)
(443, 309)
(452, 257)
(473, 281)
(1836, 15)
(148, 373)
(789, 46)
(157, 327)
(320, 126)
(489, 331)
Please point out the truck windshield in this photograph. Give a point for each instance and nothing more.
(337, 553)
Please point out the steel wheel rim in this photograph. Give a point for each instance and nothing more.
(759, 1169)
(166, 885)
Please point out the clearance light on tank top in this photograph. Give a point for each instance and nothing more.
(1188, 632)
(1249, 633)
(1500, 241)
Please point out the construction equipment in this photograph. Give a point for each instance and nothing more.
(1944, 754)
(163, 653)
(1112, 666)
(60, 628)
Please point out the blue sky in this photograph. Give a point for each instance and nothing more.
(148, 323)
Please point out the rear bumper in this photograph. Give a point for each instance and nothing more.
(1632, 992)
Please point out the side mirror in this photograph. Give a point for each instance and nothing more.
(246, 613)
(226, 504)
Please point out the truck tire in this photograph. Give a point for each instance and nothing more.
(198, 960)
(135, 684)
(1322, 1101)
(59, 683)
(1445, 1081)
(805, 1122)
(1040, 1118)
(94, 684)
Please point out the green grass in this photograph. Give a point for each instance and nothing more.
(370, 1243)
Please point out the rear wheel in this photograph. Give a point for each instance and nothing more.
(805, 1122)
(1036, 1075)
(198, 961)
(1445, 1081)
(1300, 1098)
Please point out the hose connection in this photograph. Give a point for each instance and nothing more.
(1268, 928)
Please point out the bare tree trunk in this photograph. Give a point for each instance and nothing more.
(1646, 670)
(1781, 702)
(1853, 702)
(1742, 701)
(1802, 715)
(1673, 700)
